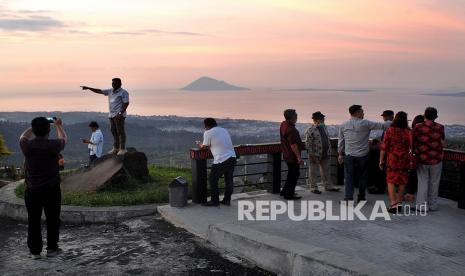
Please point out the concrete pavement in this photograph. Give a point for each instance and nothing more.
(420, 245)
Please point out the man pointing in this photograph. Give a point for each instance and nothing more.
(118, 100)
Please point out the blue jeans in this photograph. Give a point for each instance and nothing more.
(355, 170)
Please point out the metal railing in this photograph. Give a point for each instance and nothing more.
(273, 173)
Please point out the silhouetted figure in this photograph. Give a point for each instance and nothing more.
(42, 181)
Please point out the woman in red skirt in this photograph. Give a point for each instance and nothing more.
(397, 144)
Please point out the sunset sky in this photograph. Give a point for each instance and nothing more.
(52, 45)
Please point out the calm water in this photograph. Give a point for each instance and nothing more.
(254, 104)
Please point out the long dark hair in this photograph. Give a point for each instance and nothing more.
(400, 120)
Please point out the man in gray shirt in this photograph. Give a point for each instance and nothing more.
(353, 149)
(118, 100)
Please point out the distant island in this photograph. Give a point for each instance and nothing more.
(457, 94)
(211, 84)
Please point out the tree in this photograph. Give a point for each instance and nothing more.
(3, 148)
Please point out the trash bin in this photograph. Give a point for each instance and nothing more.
(178, 192)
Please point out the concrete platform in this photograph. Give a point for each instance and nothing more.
(405, 245)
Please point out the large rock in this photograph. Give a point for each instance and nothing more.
(109, 170)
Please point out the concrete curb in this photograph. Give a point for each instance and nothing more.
(14, 208)
(286, 257)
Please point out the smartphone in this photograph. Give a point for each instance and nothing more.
(51, 119)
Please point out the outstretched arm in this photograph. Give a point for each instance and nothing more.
(95, 90)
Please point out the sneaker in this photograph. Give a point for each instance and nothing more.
(122, 152)
(36, 256)
(333, 190)
(393, 210)
(54, 252)
(316, 191)
(113, 151)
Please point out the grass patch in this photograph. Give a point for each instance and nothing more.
(133, 193)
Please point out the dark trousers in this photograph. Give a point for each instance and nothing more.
(293, 174)
(118, 132)
(227, 169)
(412, 184)
(49, 200)
(355, 167)
(92, 158)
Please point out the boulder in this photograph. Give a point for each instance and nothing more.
(109, 170)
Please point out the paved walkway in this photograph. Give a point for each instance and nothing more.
(422, 245)
(142, 246)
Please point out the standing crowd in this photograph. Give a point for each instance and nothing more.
(410, 157)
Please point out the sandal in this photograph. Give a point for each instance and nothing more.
(394, 208)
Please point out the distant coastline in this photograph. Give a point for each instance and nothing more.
(326, 89)
(456, 94)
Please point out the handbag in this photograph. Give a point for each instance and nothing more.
(413, 161)
(412, 157)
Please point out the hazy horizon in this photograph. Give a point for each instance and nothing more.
(266, 105)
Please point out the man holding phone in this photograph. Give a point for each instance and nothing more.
(95, 143)
(118, 100)
(42, 181)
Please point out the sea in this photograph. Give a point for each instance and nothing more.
(255, 104)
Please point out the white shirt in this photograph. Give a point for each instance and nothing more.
(116, 100)
(219, 141)
(97, 143)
